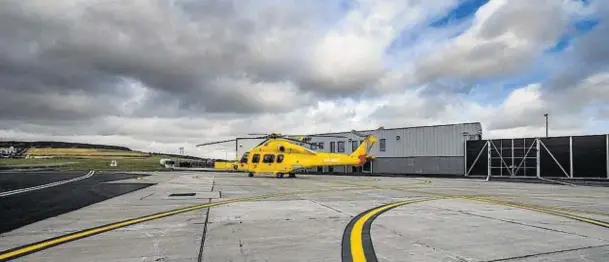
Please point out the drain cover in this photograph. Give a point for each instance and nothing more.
(182, 194)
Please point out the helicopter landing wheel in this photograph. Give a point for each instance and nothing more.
(279, 175)
(292, 175)
(250, 174)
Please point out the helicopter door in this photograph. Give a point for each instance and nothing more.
(255, 161)
(268, 163)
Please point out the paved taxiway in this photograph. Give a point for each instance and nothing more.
(232, 217)
(27, 197)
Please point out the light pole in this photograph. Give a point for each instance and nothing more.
(465, 138)
(546, 116)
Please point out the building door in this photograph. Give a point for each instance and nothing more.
(367, 167)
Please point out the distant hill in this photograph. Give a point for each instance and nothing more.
(54, 144)
(35, 147)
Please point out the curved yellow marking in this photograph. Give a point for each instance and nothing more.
(355, 237)
(357, 248)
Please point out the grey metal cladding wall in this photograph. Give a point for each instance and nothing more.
(443, 140)
(446, 140)
(419, 165)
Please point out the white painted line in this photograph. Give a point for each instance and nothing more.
(23, 190)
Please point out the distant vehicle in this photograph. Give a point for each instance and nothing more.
(282, 154)
(167, 163)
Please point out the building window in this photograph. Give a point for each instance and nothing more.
(397, 138)
(353, 145)
(313, 146)
(320, 145)
(341, 146)
(332, 149)
(382, 145)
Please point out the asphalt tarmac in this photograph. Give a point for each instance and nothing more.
(23, 179)
(25, 208)
(207, 216)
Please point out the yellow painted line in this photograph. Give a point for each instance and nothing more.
(532, 207)
(410, 188)
(26, 249)
(543, 210)
(565, 209)
(486, 196)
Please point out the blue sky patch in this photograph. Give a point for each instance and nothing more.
(464, 10)
(585, 25)
(346, 5)
(456, 21)
(562, 44)
(493, 91)
(579, 28)
(419, 40)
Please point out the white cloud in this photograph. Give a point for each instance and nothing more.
(153, 76)
(505, 36)
(352, 55)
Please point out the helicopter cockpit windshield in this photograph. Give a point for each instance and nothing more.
(244, 158)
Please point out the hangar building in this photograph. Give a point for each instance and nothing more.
(438, 149)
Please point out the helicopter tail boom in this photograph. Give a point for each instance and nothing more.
(363, 149)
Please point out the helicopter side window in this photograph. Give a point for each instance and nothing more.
(256, 158)
(268, 158)
(279, 158)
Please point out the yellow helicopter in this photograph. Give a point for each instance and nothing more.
(282, 154)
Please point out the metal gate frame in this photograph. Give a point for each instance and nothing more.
(489, 145)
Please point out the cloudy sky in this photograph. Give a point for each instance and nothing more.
(156, 75)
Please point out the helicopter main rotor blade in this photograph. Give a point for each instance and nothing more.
(246, 138)
(296, 136)
(301, 136)
(216, 142)
(230, 140)
(327, 136)
(257, 134)
(298, 141)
